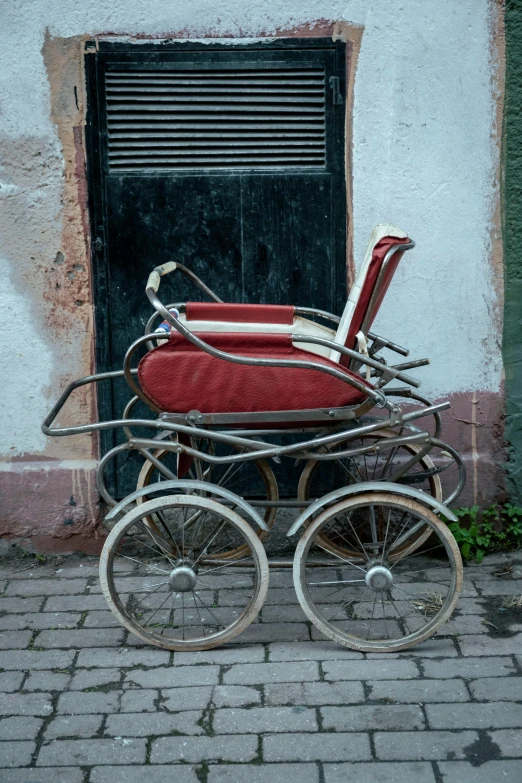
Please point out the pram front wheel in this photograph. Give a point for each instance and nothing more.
(370, 602)
(166, 582)
(321, 476)
(249, 478)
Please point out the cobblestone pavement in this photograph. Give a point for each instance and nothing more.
(84, 702)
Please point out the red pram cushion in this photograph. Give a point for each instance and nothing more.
(179, 377)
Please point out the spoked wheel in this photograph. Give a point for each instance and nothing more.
(321, 476)
(252, 479)
(169, 585)
(371, 602)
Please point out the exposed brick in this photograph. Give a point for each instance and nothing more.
(73, 726)
(267, 773)
(261, 719)
(94, 678)
(46, 681)
(224, 655)
(151, 774)
(235, 696)
(259, 673)
(423, 745)
(144, 724)
(171, 677)
(415, 691)
(26, 704)
(39, 587)
(10, 681)
(464, 772)
(81, 638)
(469, 667)
(317, 747)
(39, 621)
(177, 699)
(36, 659)
(15, 640)
(493, 689)
(123, 657)
(81, 703)
(138, 700)
(311, 651)
(314, 693)
(409, 772)
(16, 754)
(20, 728)
(193, 749)
(371, 669)
(508, 740)
(368, 717)
(497, 715)
(87, 752)
(42, 775)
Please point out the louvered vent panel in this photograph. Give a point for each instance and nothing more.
(235, 118)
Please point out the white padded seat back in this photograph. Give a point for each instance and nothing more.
(379, 232)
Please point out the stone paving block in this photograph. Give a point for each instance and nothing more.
(267, 773)
(16, 754)
(15, 640)
(500, 587)
(464, 625)
(317, 747)
(495, 715)
(71, 570)
(423, 745)
(179, 699)
(239, 748)
(39, 587)
(138, 700)
(41, 775)
(73, 726)
(36, 659)
(171, 677)
(283, 614)
(470, 606)
(264, 719)
(81, 703)
(23, 605)
(368, 717)
(80, 639)
(370, 669)
(87, 752)
(224, 655)
(409, 772)
(259, 673)
(46, 681)
(101, 619)
(74, 603)
(431, 648)
(182, 773)
(10, 681)
(264, 633)
(20, 728)
(493, 689)
(415, 691)
(94, 678)
(123, 657)
(40, 620)
(509, 741)
(314, 693)
(311, 651)
(468, 667)
(490, 645)
(236, 696)
(144, 724)
(283, 596)
(464, 772)
(26, 704)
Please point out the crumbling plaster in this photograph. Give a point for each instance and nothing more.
(425, 156)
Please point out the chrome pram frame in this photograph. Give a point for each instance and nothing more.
(328, 434)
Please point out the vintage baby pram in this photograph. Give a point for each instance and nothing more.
(236, 389)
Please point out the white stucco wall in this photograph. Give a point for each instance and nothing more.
(425, 156)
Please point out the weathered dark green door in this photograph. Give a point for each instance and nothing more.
(228, 159)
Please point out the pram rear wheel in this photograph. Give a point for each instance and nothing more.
(370, 602)
(321, 476)
(250, 478)
(167, 582)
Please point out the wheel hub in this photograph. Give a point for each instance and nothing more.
(379, 578)
(182, 578)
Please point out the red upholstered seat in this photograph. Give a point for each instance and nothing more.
(178, 377)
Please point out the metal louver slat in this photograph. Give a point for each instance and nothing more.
(234, 118)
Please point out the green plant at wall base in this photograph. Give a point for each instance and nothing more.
(492, 529)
